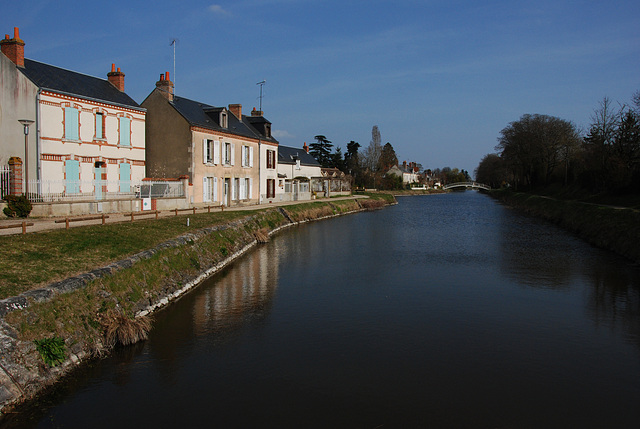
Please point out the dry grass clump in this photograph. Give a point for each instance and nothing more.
(262, 235)
(371, 204)
(121, 329)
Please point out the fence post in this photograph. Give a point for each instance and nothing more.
(157, 214)
(131, 216)
(66, 222)
(103, 219)
(176, 209)
(24, 227)
(194, 210)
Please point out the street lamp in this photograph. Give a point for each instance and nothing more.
(26, 123)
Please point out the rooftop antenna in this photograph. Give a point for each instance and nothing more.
(261, 83)
(173, 43)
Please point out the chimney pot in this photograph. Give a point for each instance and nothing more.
(166, 76)
(16, 32)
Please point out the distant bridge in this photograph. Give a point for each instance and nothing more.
(475, 185)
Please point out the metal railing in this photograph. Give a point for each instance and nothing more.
(49, 191)
(5, 180)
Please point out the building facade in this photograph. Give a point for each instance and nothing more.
(218, 148)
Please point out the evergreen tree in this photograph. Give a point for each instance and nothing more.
(321, 150)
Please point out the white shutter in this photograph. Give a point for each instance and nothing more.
(251, 156)
(244, 156)
(216, 152)
(232, 185)
(204, 151)
(243, 195)
(215, 189)
(204, 189)
(250, 194)
(233, 154)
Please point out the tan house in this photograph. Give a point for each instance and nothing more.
(218, 148)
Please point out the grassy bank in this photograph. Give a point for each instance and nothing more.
(613, 228)
(90, 320)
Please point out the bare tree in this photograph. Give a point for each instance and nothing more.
(372, 153)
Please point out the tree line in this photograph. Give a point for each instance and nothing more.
(539, 151)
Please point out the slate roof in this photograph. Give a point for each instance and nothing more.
(288, 155)
(69, 82)
(207, 116)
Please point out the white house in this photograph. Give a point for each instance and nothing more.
(87, 139)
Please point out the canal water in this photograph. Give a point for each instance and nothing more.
(443, 311)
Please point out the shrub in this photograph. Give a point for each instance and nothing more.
(17, 206)
(122, 329)
(52, 350)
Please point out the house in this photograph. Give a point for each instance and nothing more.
(230, 158)
(296, 171)
(87, 139)
(410, 172)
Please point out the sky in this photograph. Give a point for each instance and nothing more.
(440, 79)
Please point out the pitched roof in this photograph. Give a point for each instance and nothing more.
(69, 82)
(289, 155)
(207, 116)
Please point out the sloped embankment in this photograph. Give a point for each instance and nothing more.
(612, 228)
(79, 310)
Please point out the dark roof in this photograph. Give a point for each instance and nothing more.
(69, 82)
(289, 155)
(207, 116)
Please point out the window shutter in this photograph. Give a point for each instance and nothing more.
(250, 193)
(244, 156)
(204, 189)
(251, 156)
(216, 152)
(71, 123)
(72, 176)
(233, 154)
(204, 151)
(125, 131)
(215, 189)
(243, 190)
(125, 177)
(233, 188)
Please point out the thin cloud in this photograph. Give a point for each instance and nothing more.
(282, 134)
(217, 9)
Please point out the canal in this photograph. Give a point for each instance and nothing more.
(443, 311)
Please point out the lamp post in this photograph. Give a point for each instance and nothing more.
(26, 123)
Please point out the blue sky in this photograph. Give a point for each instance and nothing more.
(439, 78)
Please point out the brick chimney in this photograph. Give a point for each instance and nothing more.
(13, 48)
(236, 109)
(305, 147)
(165, 86)
(255, 112)
(116, 78)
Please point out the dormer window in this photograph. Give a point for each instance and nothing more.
(223, 120)
(267, 130)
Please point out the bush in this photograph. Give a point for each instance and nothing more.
(17, 206)
(52, 350)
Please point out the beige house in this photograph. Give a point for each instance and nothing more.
(87, 137)
(218, 148)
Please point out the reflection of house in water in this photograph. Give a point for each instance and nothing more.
(243, 290)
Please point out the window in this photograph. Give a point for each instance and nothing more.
(223, 120)
(297, 164)
(209, 189)
(125, 131)
(271, 159)
(207, 151)
(247, 156)
(236, 188)
(228, 157)
(125, 177)
(99, 125)
(72, 176)
(71, 128)
(271, 188)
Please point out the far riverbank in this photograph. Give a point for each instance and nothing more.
(612, 228)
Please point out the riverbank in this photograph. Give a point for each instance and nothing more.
(82, 309)
(609, 227)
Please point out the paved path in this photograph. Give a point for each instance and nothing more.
(49, 223)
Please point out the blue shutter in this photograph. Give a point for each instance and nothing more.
(71, 123)
(125, 132)
(72, 176)
(125, 177)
